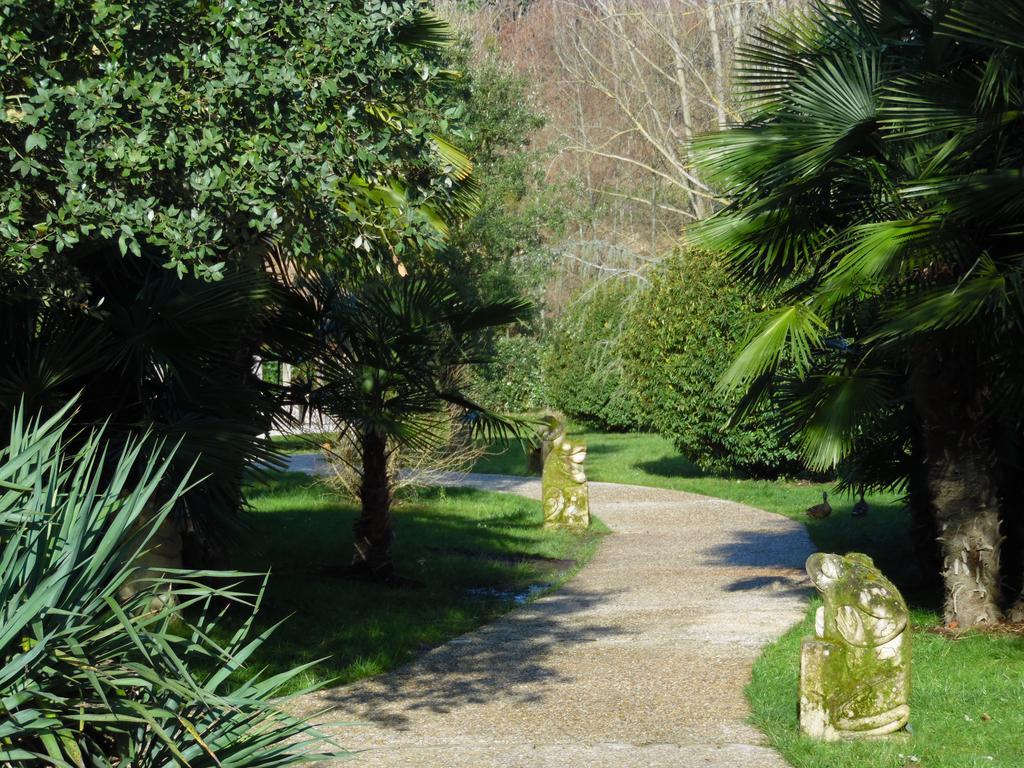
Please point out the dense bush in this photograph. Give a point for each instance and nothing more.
(102, 664)
(682, 333)
(512, 380)
(582, 366)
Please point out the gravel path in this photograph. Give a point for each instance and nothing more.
(640, 660)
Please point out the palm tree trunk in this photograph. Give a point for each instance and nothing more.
(374, 530)
(968, 519)
(1012, 501)
(924, 534)
(961, 474)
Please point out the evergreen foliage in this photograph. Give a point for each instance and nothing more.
(681, 335)
(876, 177)
(583, 359)
(102, 664)
(512, 381)
(200, 129)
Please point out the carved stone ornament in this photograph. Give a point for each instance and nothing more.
(855, 671)
(565, 495)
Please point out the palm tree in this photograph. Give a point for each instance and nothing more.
(876, 182)
(149, 351)
(391, 366)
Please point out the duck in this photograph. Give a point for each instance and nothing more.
(820, 511)
(861, 507)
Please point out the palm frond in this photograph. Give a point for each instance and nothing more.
(831, 414)
(794, 332)
(424, 30)
(984, 290)
(988, 22)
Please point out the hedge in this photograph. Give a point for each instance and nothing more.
(583, 370)
(681, 335)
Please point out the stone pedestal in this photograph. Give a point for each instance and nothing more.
(855, 671)
(566, 497)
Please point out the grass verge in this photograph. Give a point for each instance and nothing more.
(967, 701)
(966, 697)
(476, 554)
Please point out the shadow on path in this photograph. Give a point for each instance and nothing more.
(786, 548)
(509, 660)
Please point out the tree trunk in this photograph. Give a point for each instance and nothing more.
(1016, 611)
(1011, 500)
(968, 519)
(716, 56)
(962, 478)
(924, 533)
(373, 530)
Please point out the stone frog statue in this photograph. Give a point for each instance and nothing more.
(565, 495)
(855, 672)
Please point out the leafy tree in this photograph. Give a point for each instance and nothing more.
(93, 676)
(512, 381)
(390, 367)
(209, 130)
(680, 336)
(501, 248)
(876, 176)
(222, 140)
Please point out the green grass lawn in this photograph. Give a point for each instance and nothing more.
(967, 703)
(476, 554)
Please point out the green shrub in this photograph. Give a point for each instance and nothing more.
(512, 381)
(104, 664)
(582, 366)
(682, 333)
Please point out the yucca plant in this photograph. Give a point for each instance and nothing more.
(92, 674)
(876, 181)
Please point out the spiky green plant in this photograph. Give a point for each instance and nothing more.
(876, 180)
(93, 675)
(391, 370)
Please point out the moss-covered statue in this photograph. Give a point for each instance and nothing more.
(855, 672)
(566, 499)
(554, 428)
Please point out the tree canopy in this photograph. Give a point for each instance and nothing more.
(200, 129)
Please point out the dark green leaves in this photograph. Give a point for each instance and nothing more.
(877, 179)
(100, 661)
(197, 127)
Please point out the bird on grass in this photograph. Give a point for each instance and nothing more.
(861, 507)
(820, 511)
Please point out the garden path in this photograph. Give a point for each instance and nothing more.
(640, 660)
